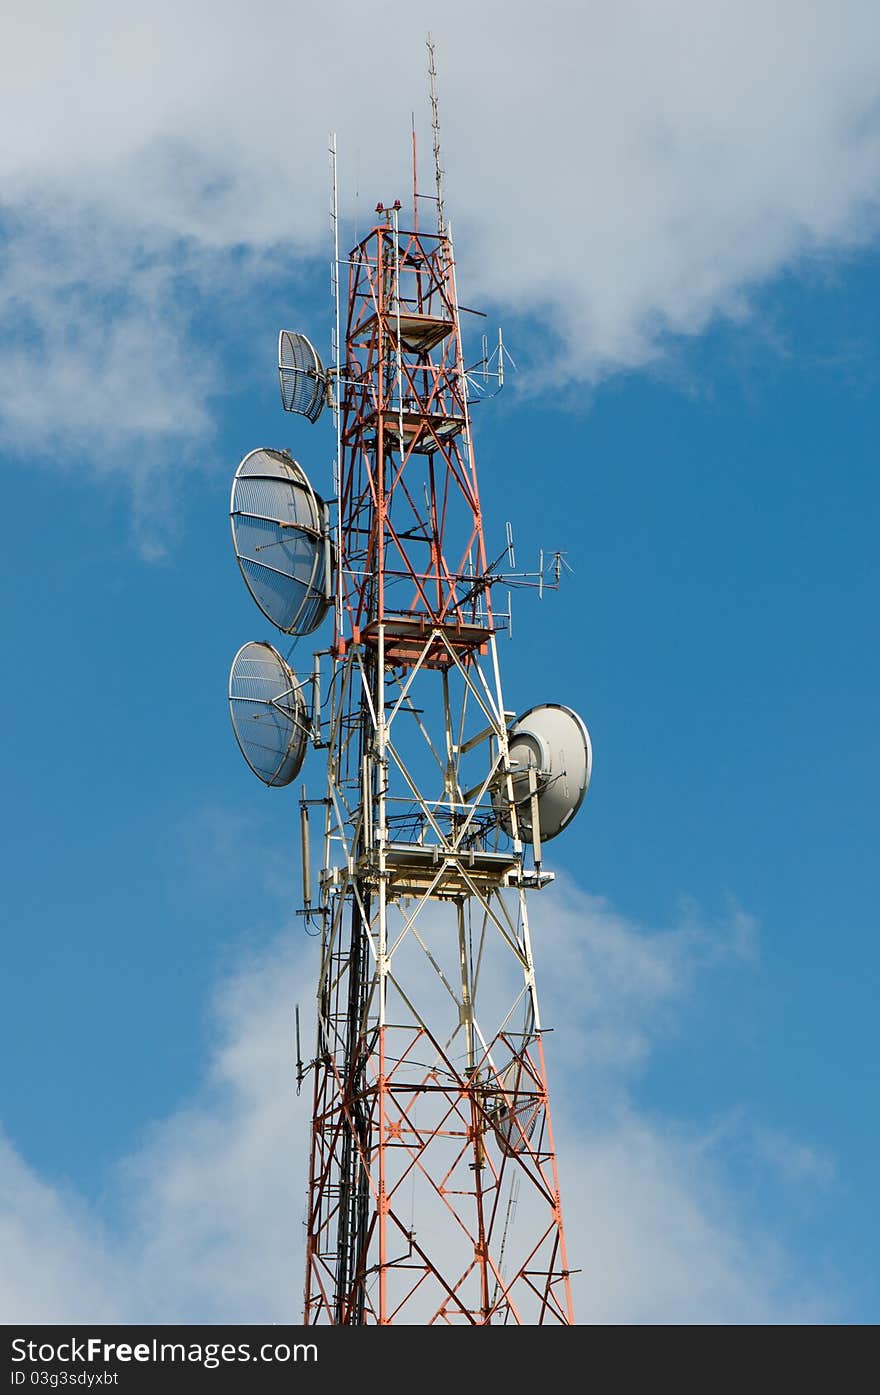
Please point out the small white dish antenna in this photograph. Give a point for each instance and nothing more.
(302, 375)
(281, 539)
(519, 1108)
(554, 742)
(268, 713)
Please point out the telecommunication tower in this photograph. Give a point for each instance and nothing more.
(433, 1191)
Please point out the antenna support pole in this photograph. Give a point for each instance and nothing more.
(435, 126)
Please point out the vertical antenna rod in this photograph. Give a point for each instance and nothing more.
(415, 178)
(337, 418)
(435, 124)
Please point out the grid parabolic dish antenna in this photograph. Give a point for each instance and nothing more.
(521, 1104)
(555, 743)
(302, 375)
(268, 713)
(279, 532)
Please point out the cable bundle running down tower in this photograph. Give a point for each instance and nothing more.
(433, 1191)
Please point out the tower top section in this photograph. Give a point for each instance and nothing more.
(412, 553)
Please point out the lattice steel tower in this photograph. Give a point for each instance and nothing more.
(433, 1191)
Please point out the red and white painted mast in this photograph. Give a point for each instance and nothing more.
(433, 1188)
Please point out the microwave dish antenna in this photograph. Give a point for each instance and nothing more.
(268, 713)
(302, 375)
(520, 1107)
(281, 540)
(552, 741)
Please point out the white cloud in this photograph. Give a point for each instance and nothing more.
(212, 1202)
(90, 295)
(625, 171)
(217, 1192)
(610, 988)
(105, 368)
(663, 1239)
(53, 1255)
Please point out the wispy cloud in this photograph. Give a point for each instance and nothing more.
(615, 987)
(115, 346)
(663, 1236)
(796, 1161)
(55, 1254)
(94, 331)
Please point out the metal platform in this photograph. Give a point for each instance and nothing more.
(412, 869)
(423, 432)
(418, 333)
(406, 637)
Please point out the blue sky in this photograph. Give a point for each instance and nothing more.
(694, 421)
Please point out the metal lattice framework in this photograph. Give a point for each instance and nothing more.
(433, 1191)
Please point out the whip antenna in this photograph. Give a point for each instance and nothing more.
(435, 125)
